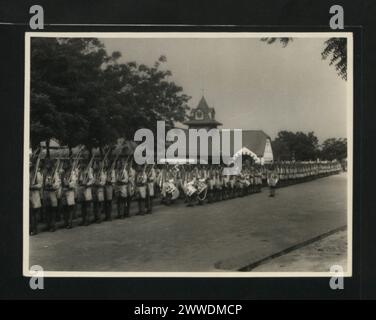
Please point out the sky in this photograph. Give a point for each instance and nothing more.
(251, 84)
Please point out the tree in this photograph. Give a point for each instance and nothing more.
(299, 146)
(335, 49)
(334, 149)
(64, 87)
(81, 95)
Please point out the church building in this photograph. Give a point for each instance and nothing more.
(255, 143)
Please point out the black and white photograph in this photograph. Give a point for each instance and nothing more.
(188, 154)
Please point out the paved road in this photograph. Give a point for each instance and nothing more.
(226, 235)
(319, 256)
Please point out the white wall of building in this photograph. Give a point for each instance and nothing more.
(268, 152)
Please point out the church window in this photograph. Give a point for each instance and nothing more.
(199, 115)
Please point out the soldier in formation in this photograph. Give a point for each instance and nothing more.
(92, 185)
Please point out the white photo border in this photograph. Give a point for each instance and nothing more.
(180, 35)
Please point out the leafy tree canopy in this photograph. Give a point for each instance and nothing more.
(335, 49)
(82, 95)
(333, 148)
(299, 146)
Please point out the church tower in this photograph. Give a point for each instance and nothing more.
(202, 117)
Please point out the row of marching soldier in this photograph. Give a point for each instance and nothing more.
(58, 186)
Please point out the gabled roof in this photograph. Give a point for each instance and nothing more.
(253, 140)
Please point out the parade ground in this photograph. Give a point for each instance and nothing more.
(224, 236)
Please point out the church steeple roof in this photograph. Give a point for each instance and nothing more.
(203, 105)
(202, 116)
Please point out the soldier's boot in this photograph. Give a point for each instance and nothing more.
(209, 196)
(74, 213)
(42, 214)
(69, 217)
(108, 209)
(51, 212)
(101, 211)
(34, 221)
(84, 209)
(146, 205)
(119, 204)
(149, 204)
(189, 201)
(140, 207)
(66, 216)
(58, 213)
(97, 211)
(168, 199)
(125, 213)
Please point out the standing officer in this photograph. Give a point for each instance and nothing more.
(272, 181)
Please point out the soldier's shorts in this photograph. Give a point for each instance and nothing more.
(69, 198)
(35, 199)
(88, 196)
(100, 194)
(123, 191)
(151, 189)
(109, 192)
(141, 192)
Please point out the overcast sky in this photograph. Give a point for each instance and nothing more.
(251, 84)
